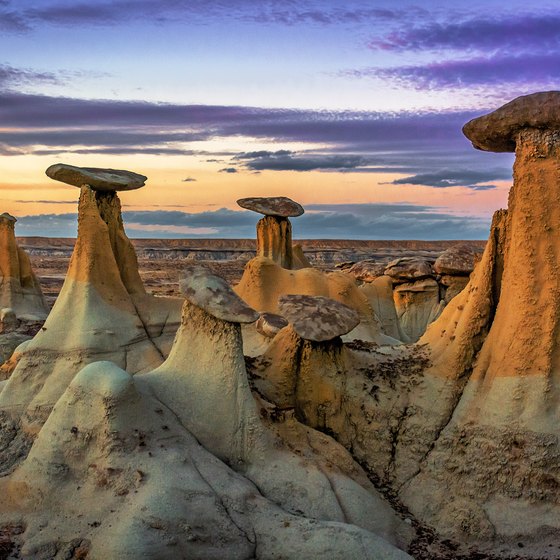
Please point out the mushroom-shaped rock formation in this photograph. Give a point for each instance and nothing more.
(279, 206)
(493, 466)
(500, 130)
(263, 283)
(113, 473)
(304, 359)
(19, 287)
(204, 384)
(102, 312)
(274, 231)
(98, 179)
(318, 318)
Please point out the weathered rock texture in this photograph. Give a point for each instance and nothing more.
(274, 231)
(264, 281)
(106, 180)
(19, 288)
(493, 468)
(102, 312)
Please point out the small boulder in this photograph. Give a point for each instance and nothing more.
(367, 271)
(215, 296)
(270, 324)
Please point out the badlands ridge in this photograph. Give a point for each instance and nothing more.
(409, 410)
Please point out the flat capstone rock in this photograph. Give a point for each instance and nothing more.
(98, 179)
(497, 131)
(318, 318)
(215, 296)
(7, 217)
(270, 324)
(280, 206)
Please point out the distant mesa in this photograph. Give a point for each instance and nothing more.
(280, 206)
(497, 131)
(97, 178)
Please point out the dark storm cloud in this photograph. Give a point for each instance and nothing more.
(445, 178)
(519, 32)
(335, 221)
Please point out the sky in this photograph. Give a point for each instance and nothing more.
(353, 108)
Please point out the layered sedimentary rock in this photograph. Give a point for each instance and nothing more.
(103, 312)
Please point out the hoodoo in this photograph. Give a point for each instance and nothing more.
(204, 383)
(493, 469)
(102, 311)
(274, 231)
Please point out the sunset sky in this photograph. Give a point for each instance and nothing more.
(353, 108)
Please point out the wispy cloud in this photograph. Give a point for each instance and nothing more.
(535, 70)
(266, 12)
(446, 178)
(284, 160)
(519, 32)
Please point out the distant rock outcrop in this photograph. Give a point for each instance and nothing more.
(19, 288)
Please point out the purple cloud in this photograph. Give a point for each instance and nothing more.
(536, 71)
(522, 32)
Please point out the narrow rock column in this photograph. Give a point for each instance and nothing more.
(274, 231)
(523, 339)
(274, 240)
